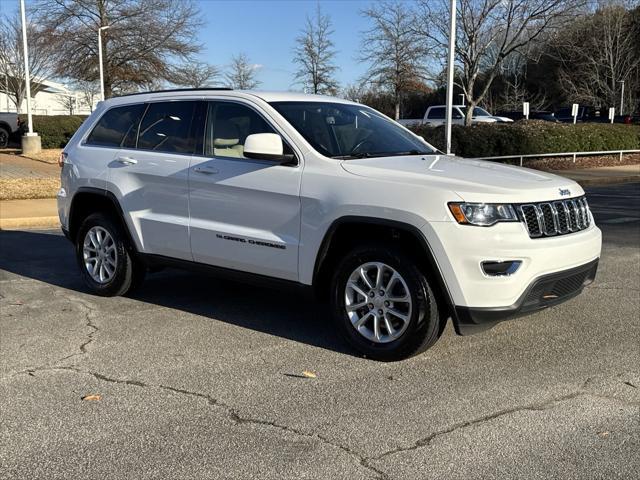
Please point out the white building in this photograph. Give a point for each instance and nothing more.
(54, 99)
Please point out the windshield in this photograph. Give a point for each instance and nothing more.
(477, 112)
(345, 131)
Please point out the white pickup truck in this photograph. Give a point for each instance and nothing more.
(435, 116)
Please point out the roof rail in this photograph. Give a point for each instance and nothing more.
(173, 90)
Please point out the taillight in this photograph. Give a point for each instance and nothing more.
(62, 159)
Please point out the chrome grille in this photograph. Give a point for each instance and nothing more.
(547, 219)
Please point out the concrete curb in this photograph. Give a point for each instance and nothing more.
(29, 223)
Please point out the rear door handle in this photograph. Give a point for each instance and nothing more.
(127, 160)
(205, 170)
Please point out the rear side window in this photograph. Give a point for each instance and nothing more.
(117, 127)
(437, 112)
(166, 127)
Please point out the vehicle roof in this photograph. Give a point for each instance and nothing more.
(267, 96)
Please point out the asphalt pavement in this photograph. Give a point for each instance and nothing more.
(194, 377)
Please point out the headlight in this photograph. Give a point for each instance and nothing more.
(483, 214)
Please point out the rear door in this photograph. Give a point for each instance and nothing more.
(151, 175)
(245, 213)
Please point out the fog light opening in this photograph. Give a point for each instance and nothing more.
(501, 269)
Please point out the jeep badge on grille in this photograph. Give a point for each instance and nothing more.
(564, 192)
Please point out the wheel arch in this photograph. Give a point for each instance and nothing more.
(339, 238)
(88, 200)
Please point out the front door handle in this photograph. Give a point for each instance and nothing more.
(127, 160)
(205, 170)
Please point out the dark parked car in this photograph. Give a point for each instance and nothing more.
(535, 115)
(585, 114)
(9, 125)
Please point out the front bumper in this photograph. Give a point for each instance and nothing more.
(546, 291)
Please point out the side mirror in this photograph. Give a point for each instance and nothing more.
(265, 146)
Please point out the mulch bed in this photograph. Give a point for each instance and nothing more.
(566, 163)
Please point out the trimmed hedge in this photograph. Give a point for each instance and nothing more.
(482, 140)
(55, 130)
(533, 136)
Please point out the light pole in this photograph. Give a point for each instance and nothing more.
(31, 142)
(452, 46)
(621, 97)
(27, 77)
(6, 85)
(100, 60)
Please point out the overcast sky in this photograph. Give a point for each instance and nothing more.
(266, 30)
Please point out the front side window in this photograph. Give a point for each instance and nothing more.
(117, 127)
(436, 113)
(341, 130)
(228, 126)
(166, 127)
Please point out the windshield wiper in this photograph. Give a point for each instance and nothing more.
(381, 154)
(354, 155)
(408, 152)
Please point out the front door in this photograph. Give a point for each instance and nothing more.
(245, 213)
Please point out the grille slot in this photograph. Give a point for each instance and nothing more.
(547, 219)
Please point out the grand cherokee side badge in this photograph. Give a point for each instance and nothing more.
(564, 192)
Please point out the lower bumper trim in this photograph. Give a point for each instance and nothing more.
(546, 291)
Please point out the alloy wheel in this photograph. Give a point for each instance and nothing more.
(100, 254)
(378, 302)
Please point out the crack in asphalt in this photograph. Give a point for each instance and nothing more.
(238, 419)
(536, 407)
(425, 441)
(364, 461)
(89, 311)
(231, 412)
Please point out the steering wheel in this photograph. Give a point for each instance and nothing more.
(360, 144)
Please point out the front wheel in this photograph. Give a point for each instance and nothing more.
(383, 304)
(4, 137)
(108, 267)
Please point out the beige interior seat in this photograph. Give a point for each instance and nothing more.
(226, 140)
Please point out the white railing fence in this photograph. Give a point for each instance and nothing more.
(572, 155)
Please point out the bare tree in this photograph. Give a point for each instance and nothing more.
(68, 102)
(354, 92)
(593, 66)
(393, 49)
(314, 55)
(89, 92)
(242, 73)
(144, 40)
(489, 31)
(196, 75)
(12, 59)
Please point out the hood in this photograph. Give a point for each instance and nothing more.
(473, 180)
(485, 119)
(503, 119)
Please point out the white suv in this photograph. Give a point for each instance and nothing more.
(319, 192)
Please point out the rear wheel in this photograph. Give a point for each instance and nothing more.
(383, 304)
(107, 264)
(4, 137)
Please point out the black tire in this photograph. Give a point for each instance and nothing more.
(423, 327)
(4, 137)
(129, 272)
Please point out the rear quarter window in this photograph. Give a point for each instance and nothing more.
(118, 127)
